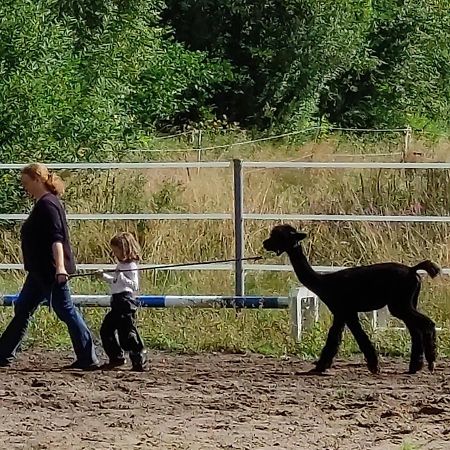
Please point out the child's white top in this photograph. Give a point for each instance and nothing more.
(123, 281)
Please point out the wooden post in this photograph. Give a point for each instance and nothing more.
(199, 148)
(408, 133)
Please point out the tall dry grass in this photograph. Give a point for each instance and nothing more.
(285, 191)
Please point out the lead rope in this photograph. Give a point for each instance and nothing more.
(168, 266)
(50, 297)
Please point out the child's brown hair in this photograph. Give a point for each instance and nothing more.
(128, 245)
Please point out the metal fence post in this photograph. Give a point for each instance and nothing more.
(238, 195)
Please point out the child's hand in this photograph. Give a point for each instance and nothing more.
(99, 273)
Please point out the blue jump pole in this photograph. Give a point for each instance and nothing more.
(177, 301)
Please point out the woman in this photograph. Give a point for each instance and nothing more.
(48, 260)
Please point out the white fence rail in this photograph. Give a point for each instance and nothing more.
(239, 215)
(130, 165)
(137, 216)
(341, 165)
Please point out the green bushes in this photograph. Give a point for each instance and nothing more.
(357, 63)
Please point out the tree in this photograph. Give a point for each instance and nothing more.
(81, 80)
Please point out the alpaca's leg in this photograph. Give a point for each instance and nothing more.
(417, 341)
(417, 344)
(421, 329)
(423, 336)
(428, 329)
(364, 343)
(417, 348)
(331, 347)
(417, 338)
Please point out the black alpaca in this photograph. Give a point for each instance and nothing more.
(367, 288)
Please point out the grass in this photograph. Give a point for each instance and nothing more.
(410, 446)
(284, 191)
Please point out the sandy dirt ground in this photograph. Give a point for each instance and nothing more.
(220, 401)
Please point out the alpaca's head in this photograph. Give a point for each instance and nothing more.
(283, 238)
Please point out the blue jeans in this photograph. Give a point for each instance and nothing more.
(34, 292)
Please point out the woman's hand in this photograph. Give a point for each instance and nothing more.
(62, 276)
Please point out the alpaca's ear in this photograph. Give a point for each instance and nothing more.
(300, 236)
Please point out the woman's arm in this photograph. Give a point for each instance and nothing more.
(58, 257)
(56, 232)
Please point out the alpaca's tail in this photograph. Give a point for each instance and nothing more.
(430, 267)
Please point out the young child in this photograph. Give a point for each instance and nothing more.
(121, 319)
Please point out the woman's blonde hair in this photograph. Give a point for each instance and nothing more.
(128, 245)
(52, 182)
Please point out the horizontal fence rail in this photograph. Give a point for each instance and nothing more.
(130, 165)
(341, 165)
(134, 216)
(346, 217)
(248, 216)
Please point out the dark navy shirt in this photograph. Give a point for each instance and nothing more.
(46, 225)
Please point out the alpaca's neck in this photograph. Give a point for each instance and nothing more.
(305, 273)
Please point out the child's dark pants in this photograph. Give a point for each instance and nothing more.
(122, 319)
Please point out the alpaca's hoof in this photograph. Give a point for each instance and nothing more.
(317, 370)
(415, 367)
(431, 366)
(322, 366)
(374, 368)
